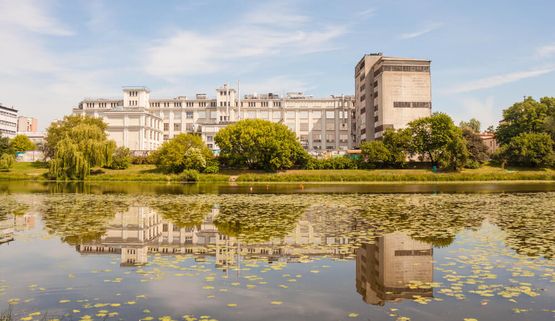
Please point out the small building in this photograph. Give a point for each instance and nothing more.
(490, 141)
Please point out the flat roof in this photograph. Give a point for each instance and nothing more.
(8, 108)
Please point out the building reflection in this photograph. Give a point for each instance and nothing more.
(140, 231)
(11, 224)
(392, 268)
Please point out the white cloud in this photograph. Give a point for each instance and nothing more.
(483, 110)
(30, 15)
(498, 80)
(546, 51)
(255, 35)
(418, 33)
(366, 13)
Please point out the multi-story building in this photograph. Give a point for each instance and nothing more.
(389, 93)
(8, 121)
(390, 268)
(320, 123)
(130, 123)
(27, 124)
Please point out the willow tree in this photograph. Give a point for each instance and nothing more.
(60, 129)
(85, 146)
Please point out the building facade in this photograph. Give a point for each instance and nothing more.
(130, 122)
(27, 124)
(8, 121)
(321, 124)
(389, 93)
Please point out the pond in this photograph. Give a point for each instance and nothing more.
(277, 252)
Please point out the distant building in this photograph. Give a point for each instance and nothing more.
(27, 124)
(386, 269)
(389, 93)
(320, 123)
(490, 141)
(8, 121)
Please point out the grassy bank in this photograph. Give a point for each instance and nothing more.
(148, 173)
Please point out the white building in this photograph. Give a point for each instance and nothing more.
(320, 123)
(130, 123)
(8, 121)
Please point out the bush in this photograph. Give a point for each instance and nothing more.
(212, 169)
(342, 162)
(6, 162)
(121, 159)
(142, 160)
(184, 151)
(189, 175)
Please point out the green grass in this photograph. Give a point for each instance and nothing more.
(148, 173)
(485, 173)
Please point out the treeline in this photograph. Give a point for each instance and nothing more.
(10, 147)
(78, 144)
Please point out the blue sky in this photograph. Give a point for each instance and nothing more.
(485, 54)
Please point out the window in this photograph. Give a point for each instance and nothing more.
(277, 103)
(202, 104)
(177, 127)
(166, 126)
(177, 104)
(264, 104)
(276, 115)
(303, 114)
(209, 138)
(189, 115)
(330, 114)
(189, 104)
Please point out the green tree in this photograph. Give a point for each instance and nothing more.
(5, 146)
(184, 151)
(438, 140)
(397, 143)
(6, 161)
(528, 116)
(60, 129)
(477, 150)
(85, 146)
(121, 158)
(530, 150)
(375, 153)
(22, 143)
(260, 144)
(473, 124)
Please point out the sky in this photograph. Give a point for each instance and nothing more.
(485, 55)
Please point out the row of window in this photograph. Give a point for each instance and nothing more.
(412, 104)
(5, 113)
(8, 123)
(6, 131)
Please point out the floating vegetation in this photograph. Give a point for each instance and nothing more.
(220, 257)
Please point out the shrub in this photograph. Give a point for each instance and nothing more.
(342, 162)
(184, 151)
(189, 175)
(141, 160)
(529, 149)
(212, 168)
(121, 159)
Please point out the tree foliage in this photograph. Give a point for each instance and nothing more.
(472, 124)
(397, 143)
(5, 146)
(375, 153)
(528, 116)
(84, 146)
(6, 161)
(260, 144)
(22, 143)
(184, 151)
(438, 140)
(477, 150)
(530, 150)
(60, 129)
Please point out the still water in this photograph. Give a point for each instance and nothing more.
(316, 252)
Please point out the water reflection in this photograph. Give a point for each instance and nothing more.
(12, 223)
(394, 267)
(140, 231)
